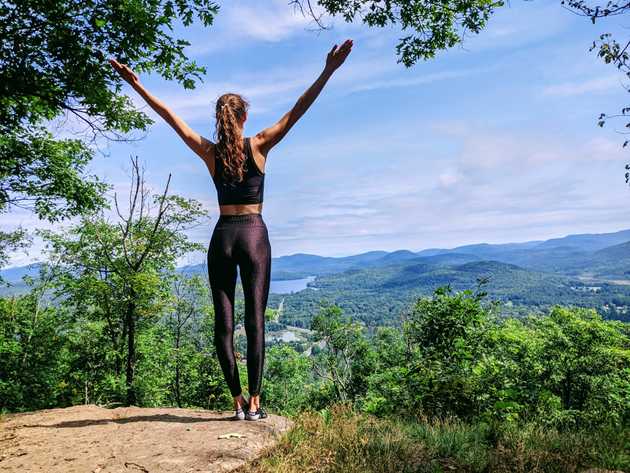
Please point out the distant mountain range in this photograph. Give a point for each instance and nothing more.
(598, 255)
(590, 270)
(604, 255)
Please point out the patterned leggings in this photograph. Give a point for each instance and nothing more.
(243, 241)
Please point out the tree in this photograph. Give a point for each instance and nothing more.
(52, 64)
(446, 333)
(344, 354)
(121, 272)
(434, 25)
(190, 303)
(287, 374)
(32, 338)
(53, 57)
(586, 365)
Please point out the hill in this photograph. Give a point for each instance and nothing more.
(571, 255)
(591, 270)
(380, 295)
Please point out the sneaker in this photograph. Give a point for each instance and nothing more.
(259, 414)
(239, 414)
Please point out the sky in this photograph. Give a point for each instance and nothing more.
(493, 141)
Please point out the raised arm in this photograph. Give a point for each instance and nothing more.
(269, 137)
(196, 142)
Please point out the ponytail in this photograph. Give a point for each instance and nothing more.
(230, 110)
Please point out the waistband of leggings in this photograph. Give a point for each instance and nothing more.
(242, 218)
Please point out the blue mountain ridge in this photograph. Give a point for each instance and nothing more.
(603, 255)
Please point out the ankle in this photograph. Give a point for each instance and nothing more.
(254, 403)
(239, 401)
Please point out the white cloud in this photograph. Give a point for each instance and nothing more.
(498, 186)
(448, 179)
(242, 22)
(418, 78)
(596, 85)
(517, 25)
(281, 86)
(269, 21)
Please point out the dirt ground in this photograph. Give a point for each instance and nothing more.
(92, 439)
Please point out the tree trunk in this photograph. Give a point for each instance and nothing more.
(177, 375)
(131, 352)
(120, 348)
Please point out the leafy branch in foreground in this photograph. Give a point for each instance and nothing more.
(53, 65)
(434, 25)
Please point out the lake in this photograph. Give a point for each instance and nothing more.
(289, 285)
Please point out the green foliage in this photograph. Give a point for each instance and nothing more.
(446, 335)
(12, 241)
(59, 64)
(155, 365)
(344, 362)
(32, 344)
(195, 374)
(87, 363)
(568, 369)
(47, 175)
(587, 365)
(443, 326)
(53, 63)
(287, 374)
(434, 25)
(386, 381)
(121, 273)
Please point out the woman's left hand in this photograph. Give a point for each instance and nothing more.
(338, 55)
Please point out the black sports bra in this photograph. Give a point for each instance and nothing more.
(249, 191)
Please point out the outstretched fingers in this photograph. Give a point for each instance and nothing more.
(343, 51)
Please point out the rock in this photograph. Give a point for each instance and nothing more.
(92, 439)
(599, 470)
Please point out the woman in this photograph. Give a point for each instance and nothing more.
(240, 238)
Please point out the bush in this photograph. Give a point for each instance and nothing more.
(569, 369)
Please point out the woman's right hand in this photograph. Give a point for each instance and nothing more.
(125, 71)
(337, 56)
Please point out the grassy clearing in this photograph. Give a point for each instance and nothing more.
(342, 440)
